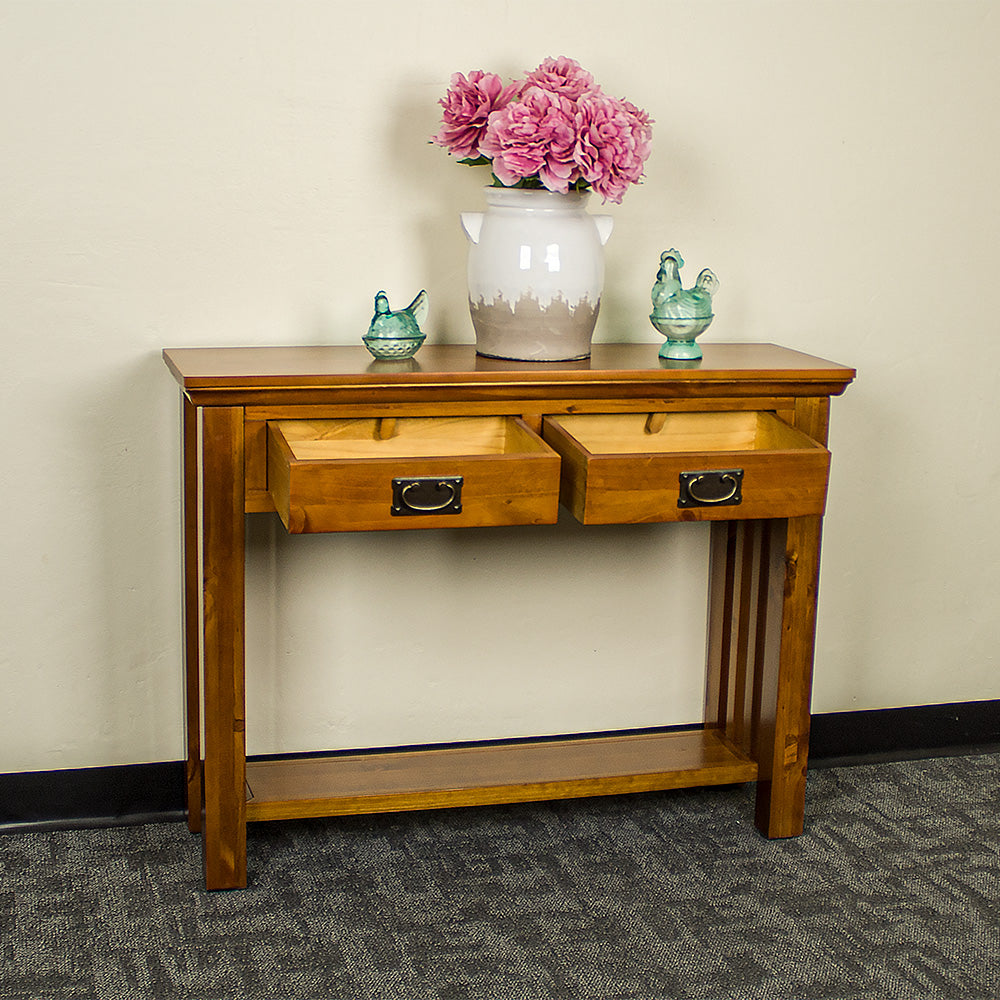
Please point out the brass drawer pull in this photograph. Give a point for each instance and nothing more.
(712, 488)
(427, 495)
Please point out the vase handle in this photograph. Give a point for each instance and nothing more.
(472, 223)
(604, 223)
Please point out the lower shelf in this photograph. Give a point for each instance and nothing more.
(490, 774)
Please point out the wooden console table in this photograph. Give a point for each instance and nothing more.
(333, 441)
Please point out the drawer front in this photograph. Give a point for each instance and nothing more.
(631, 467)
(374, 474)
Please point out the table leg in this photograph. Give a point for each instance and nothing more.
(192, 623)
(787, 677)
(223, 566)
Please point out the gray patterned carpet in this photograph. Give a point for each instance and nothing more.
(892, 893)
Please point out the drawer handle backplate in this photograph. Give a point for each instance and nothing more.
(712, 488)
(427, 495)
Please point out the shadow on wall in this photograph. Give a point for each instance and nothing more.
(860, 597)
(398, 637)
(442, 190)
(133, 440)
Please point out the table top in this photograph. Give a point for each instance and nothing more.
(225, 371)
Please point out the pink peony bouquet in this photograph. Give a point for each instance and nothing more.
(555, 129)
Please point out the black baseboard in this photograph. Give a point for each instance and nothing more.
(844, 738)
(92, 796)
(144, 793)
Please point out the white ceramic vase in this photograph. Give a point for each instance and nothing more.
(536, 273)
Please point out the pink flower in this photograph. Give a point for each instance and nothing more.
(467, 107)
(563, 76)
(556, 129)
(535, 134)
(614, 139)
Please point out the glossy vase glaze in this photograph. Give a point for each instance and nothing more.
(536, 273)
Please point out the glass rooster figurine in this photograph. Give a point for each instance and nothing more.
(396, 336)
(680, 314)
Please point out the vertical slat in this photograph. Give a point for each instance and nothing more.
(760, 612)
(786, 681)
(721, 578)
(192, 604)
(734, 586)
(224, 822)
(743, 605)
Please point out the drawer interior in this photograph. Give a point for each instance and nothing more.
(639, 433)
(406, 437)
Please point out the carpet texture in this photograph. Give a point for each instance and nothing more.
(893, 892)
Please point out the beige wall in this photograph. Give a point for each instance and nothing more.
(234, 172)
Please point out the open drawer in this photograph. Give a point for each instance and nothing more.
(636, 467)
(411, 472)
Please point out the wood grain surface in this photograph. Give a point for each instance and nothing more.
(489, 774)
